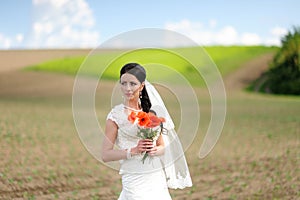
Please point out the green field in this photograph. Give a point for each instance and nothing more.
(227, 59)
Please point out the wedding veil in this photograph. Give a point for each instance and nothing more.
(174, 162)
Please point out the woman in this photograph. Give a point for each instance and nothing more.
(149, 179)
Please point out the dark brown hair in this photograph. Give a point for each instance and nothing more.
(140, 73)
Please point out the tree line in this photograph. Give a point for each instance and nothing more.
(283, 76)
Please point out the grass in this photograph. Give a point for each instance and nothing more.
(229, 59)
(183, 60)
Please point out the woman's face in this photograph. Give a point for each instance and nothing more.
(130, 86)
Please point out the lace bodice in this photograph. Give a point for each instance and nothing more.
(126, 130)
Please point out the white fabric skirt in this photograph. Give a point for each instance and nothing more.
(148, 186)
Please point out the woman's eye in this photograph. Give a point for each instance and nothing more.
(131, 84)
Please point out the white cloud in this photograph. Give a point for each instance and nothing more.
(184, 25)
(250, 39)
(228, 35)
(278, 31)
(194, 30)
(205, 35)
(5, 42)
(276, 34)
(42, 28)
(19, 38)
(62, 24)
(56, 3)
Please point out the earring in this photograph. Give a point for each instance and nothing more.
(140, 97)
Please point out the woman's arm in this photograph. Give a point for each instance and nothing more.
(108, 151)
(111, 154)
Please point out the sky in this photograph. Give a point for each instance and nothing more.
(38, 24)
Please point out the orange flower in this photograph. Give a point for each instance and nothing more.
(143, 118)
(132, 117)
(147, 120)
(154, 120)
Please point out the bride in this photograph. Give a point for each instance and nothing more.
(165, 167)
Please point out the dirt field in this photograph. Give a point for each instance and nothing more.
(257, 156)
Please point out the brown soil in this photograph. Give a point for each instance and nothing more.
(16, 59)
(18, 83)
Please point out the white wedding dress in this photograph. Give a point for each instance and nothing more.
(140, 181)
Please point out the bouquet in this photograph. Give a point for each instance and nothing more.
(149, 126)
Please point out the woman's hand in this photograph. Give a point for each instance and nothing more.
(156, 151)
(142, 146)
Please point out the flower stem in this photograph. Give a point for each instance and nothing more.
(144, 157)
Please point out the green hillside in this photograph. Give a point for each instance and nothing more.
(182, 60)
